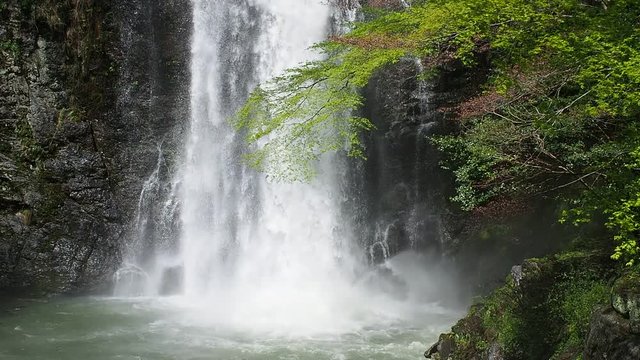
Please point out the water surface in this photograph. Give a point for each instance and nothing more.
(150, 329)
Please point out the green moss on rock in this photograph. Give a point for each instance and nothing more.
(541, 312)
(625, 298)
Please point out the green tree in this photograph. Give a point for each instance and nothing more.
(558, 116)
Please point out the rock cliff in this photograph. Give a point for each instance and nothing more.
(89, 91)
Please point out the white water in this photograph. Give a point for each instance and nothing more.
(264, 258)
(259, 256)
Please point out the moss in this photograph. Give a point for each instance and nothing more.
(69, 115)
(85, 29)
(469, 334)
(26, 216)
(30, 151)
(625, 297)
(574, 301)
(54, 198)
(629, 281)
(543, 315)
(570, 255)
(10, 48)
(500, 319)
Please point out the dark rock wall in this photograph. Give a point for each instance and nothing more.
(149, 116)
(402, 192)
(86, 97)
(403, 187)
(612, 337)
(58, 219)
(614, 331)
(405, 191)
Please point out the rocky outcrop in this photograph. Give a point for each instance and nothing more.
(400, 194)
(76, 145)
(611, 337)
(540, 313)
(625, 298)
(403, 189)
(59, 226)
(614, 331)
(145, 127)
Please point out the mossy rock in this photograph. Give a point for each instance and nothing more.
(443, 349)
(526, 318)
(625, 298)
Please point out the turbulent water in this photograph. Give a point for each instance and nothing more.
(110, 329)
(261, 270)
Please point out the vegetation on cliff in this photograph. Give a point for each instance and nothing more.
(546, 310)
(56, 58)
(556, 116)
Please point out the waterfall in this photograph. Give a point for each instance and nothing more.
(256, 256)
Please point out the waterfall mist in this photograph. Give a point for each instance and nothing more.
(261, 257)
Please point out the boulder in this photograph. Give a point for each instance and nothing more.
(610, 337)
(443, 349)
(625, 299)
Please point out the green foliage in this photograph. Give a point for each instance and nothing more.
(306, 112)
(558, 116)
(73, 115)
(500, 316)
(565, 121)
(574, 299)
(547, 315)
(624, 216)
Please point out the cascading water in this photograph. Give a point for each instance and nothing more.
(256, 257)
(258, 252)
(261, 256)
(253, 255)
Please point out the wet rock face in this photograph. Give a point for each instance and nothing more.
(443, 349)
(172, 281)
(495, 352)
(403, 189)
(147, 121)
(401, 181)
(68, 182)
(58, 222)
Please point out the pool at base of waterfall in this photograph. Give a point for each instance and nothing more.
(160, 328)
